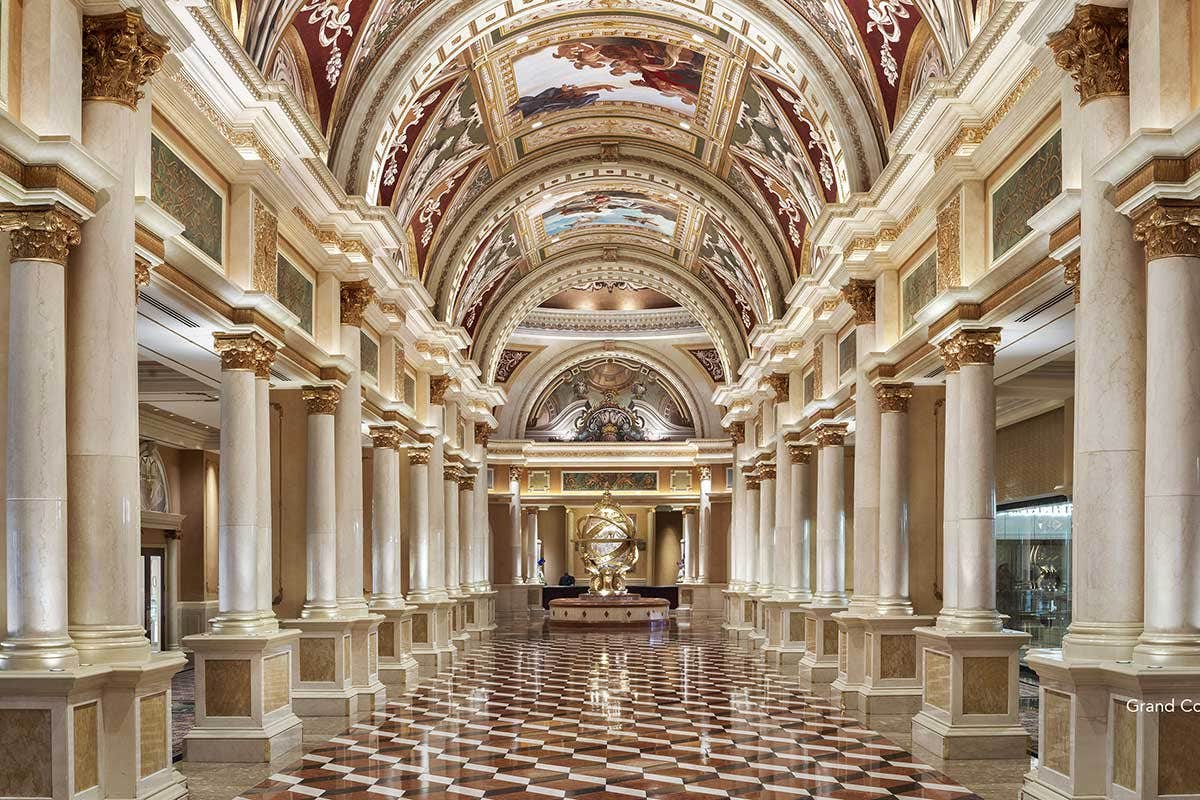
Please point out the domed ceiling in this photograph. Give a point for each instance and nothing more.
(534, 148)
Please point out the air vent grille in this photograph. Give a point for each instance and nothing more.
(170, 312)
(1053, 301)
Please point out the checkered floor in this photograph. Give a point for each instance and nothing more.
(674, 715)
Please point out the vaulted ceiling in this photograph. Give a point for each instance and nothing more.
(533, 148)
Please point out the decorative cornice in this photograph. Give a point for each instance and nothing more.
(242, 351)
(641, 321)
(831, 434)
(977, 346)
(1071, 275)
(356, 296)
(780, 383)
(859, 293)
(321, 399)
(42, 234)
(893, 396)
(1169, 229)
(438, 386)
(1094, 49)
(800, 453)
(419, 456)
(975, 134)
(119, 55)
(265, 271)
(385, 436)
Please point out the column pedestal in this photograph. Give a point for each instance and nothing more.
(849, 684)
(458, 622)
(969, 702)
(243, 697)
(533, 601)
(364, 663)
(480, 610)
(819, 665)
(321, 679)
(431, 645)
(398, 670)
(512, 605)
(739, 615)
(785, 634)
(891, 682)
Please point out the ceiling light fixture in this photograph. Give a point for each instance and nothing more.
(685, 125)
(522, 39)
(537, 125)
(697, 37)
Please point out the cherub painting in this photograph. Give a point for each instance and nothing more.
(614, 69)
(632, 209)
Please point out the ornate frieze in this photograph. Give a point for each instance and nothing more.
(800, 453)
(949, 236)
(893, 396)
(831, 434)
(243, 351)
(356, 296)
(1094, 51)
(1169, 230)
(977, 346)
(41, 234)
(264, 273)
(119, 55)
(385, 436)
(321, 399)
(438, 386)
(418, 456)
(1071, 274)
(780, 384)
(860, 294)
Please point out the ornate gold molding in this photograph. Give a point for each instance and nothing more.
(483, 433)
(321, 399)
(753, 484)
(384, 436)
(1071, 275)
(355, 297)
(949, 353)
(514, 473)
(860, 294)
(266, 359)
(736, 431)
(451, 473)
(418, 456)
(705, 473)
(466, 482)
(893, 396)
(766, 472)
(975, 134)
(1094, 50)
(818, 358)
(977, 346)
(800, 453)
(119, 55)
(438, 386)
(831, 434)
(244, 351)
(949, 234)
(141, 275)
(1169, 229)
(265, 269)
(40, 234)
(780, 383)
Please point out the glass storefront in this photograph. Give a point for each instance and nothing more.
(1033, 568)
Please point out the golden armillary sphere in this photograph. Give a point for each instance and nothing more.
(606, 544)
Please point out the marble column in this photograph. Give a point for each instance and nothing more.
(800, 583)
(1108, 494)
(1171, 231)
(385, 518)
(355, 297)
(36, 475)
(419, 584)
(320, 511)
(516, 520)
(450, 476)
(977, 481)
(531, 547)
(704, 523)
(893, 499)
(262, 511)
(766, 528)
(831, 516)
(860, 294)
(749, 533)
(691, 540)
(104, 493)
(467, 531)
(239, 607)
(945, 619)
(171, 591)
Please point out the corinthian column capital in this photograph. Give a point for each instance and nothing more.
(1094, 50)
(242, 351)
(321, 399)
(356, 296)
(483, 433)
(1169, 230)
(976, 346)
(119, 55)
(384, 436)
(831, 434)
(40, 234)
(780, 384)
(860, 294)
(893, 396)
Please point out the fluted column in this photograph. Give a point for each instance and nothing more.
(860, 294)
(977, 480)
(1171, 232)
(104, 495)
(262, 511)
(893, 499)
(385, 518)
(355, 297)
(450, 476)
(945, 619)
(750, 513)
(419, 584)
(800, 585)
(1108, 491)
(238, 597)
(516, 520)
(766, 528)
(831, 515)
(36, 472)
(704, 522)
(468, 540)
(320, 509)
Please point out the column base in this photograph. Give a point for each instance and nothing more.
(243, 697)
(431, 645)
(785, 634)
(512, 604)
(969, 700)
(398, 670)
(194, 616)
(848, 687)
(322, 685)
(739, 614)
(533, 600)
(458, 623)
(891, 684)
(818, 666)
(364, 663)
(481, 614)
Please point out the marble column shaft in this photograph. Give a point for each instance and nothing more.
(800, 587)
(36, 473)
(950, 473)
(861, 296)
(419, 583)
(262, 512)
(517, 522)
(691, 542)
(704, 523)
(531, 547)
(749, 538)
(320, 511)
(767, 562)
(348, 424)
(385, 518)
(452, 530)
(893, 499)
(468, 540)
(831, 516)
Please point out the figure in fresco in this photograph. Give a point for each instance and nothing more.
(561, 98)
(670, 69)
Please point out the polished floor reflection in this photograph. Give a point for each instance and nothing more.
(611, 716)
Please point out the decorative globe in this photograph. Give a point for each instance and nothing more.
(606, 542)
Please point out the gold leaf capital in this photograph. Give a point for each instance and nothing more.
(119, 55)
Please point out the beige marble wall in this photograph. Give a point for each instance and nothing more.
(985, 685)
(810, 634)
(291, 521)
(924, 501)
(420, 632)
(227, 687)
(87, 742)
(897, 656)
(1178, 767)
(26, 762)
(387, 639)
(318, 659)
(152, 719)
(1124, 744)
(796, 626)
(937, 679)
(277, 682)
(1057, 736)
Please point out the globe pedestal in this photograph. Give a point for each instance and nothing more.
(624, 610)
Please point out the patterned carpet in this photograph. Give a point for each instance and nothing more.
(183, 708)
(608, 716)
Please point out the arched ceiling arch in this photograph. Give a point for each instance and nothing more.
(501, 319)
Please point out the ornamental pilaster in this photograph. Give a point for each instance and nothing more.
(1094, 50)
(119, 55)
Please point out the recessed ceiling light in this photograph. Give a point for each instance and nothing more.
(536, 125)
(522, 39)
(673, 196)
(685, 125)
(697, 37)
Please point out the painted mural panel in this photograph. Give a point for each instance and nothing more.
(1024, 193)
(848, 353)
(917, 290)
(369, 355)
(628, 209)
(612, 481)
(295, 292)
(183, 194)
